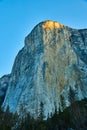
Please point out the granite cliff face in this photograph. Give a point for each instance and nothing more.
(52, 62)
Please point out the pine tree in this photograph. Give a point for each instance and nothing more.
(41, 115)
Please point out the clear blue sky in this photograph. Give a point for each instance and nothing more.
(18, 17)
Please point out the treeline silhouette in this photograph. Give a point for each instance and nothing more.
(72, 118)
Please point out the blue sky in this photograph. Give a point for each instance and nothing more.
(18, 17)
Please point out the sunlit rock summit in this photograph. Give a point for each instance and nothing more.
(52, 62)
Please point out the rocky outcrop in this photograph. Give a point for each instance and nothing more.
(4, 81)
(52, 63)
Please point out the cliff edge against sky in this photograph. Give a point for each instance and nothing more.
(52, 62)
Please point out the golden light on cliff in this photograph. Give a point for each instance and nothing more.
(52, 25)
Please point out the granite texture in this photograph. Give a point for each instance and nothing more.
(4, 81)
(52, 62)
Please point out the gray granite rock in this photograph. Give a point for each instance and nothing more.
(4, 83)
(52, 62)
